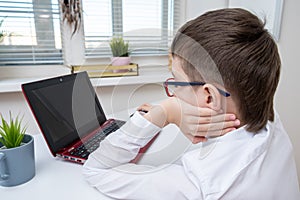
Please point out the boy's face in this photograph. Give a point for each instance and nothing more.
(194, 95)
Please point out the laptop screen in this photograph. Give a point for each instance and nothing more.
(66, 108)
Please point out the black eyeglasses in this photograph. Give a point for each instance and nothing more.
(170, 85)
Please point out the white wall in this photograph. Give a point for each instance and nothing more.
(288, 96)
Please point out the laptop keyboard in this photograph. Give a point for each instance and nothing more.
(93, 143)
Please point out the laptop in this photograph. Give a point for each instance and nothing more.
(70, 116)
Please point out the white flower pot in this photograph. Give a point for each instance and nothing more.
(118, 61)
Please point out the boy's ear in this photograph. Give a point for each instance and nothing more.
(212, 97)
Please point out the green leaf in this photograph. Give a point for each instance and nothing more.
(11, 132)
(119, 47)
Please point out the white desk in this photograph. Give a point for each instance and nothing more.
(56, 179)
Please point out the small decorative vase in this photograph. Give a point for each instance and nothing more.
(119, 61)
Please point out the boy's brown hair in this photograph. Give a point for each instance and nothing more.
(232, 48)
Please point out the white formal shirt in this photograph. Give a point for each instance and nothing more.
(239, 165)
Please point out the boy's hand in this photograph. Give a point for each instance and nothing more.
(195, 122)
(198, 123)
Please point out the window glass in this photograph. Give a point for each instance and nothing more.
(147, 25)
(30, 32)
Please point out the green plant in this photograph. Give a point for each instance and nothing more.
(11, 132)
(119, 47)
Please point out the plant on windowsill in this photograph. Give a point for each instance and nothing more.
(120, 51)
(17, 161)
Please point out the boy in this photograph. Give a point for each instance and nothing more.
(226, 61)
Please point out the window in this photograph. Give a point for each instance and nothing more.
(147, 25)
(31, 32)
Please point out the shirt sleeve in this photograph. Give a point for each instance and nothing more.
(108, 168)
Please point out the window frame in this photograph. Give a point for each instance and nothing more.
(117, 30)
(40, 37)
(74, 55)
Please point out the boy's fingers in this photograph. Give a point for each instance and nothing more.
(222, 125)
(223, 117)
(210, 119)
(204, 128)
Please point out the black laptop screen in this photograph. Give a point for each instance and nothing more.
(66, 108)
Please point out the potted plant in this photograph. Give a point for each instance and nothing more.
(17, 163)
(120, 51)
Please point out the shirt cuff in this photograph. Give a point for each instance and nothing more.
(140, 128)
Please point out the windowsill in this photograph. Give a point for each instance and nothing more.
(153, 74)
